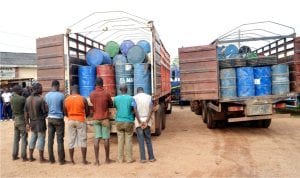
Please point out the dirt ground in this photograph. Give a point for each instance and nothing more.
(186, 148)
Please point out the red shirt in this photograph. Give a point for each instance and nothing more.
(101, 101)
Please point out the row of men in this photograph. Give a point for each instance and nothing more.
(5, 106)
(30, 114)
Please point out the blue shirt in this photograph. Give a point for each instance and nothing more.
(124, 105)
(54, 100)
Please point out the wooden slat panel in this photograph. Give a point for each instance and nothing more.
(50, 52)
(50, 41)
(199, 73)
(295, 84)
(50, 61)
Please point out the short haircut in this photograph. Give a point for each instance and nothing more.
(140, 89)
(75, 88)
(36, 86)
(99, 81)
(17, 89)
(36, 89)
(123, 88)
(55, 83)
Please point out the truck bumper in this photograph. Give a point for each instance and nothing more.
(250, 118)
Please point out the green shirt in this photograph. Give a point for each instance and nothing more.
(124, 105)
(17, 105)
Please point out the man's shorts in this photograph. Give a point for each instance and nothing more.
(77, 136)
(102, 129)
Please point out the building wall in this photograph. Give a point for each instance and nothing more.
(28, 72)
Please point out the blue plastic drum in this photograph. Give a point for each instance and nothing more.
(245, 82)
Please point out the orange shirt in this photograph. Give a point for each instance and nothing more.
(75, 107)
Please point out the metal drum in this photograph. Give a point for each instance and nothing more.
(112, 48)
(136, 54)
(228, 83)
(95, 57)
(107, 73)
(125, 45)
(124, 75)
(280, 79)
(145, 45)
(87, 77)
(119, 59)
(262, 80)
(231, 51)
(245, 81)
(142, 77)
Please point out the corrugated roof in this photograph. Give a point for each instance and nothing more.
(17, 59)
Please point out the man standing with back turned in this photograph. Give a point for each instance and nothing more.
(125, 124)
(76, 109)
(54, 105)
(101, 101)
(144, 110)
(18, 103)
(35, 112)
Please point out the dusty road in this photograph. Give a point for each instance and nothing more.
(186, 148)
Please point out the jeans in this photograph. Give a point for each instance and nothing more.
(37, 137)
(125, 132)
(58, 126)
(20, 133)
(7, 111)
(142, 136)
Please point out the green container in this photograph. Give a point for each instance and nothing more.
(112, 48)
(251, 55)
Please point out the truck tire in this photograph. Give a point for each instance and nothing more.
(158, 121)
(204, 112)
(196, 107)
(265, 123)
(211, 123)
(198, 112)
(169, 111)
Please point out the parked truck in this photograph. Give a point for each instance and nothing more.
(59, 56)
(200, 76)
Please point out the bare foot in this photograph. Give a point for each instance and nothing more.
(73, 162)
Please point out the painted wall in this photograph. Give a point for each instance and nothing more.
(28, 72)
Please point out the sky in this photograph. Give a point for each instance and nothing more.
(179, 23)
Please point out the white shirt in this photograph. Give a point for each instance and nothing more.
(6, 97)
(143, 102)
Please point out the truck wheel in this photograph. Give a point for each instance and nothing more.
(211, 123)
(265, 123)
(198, 112)
(158, 121)
(169, 108)
(199, 109)
(204, 112)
